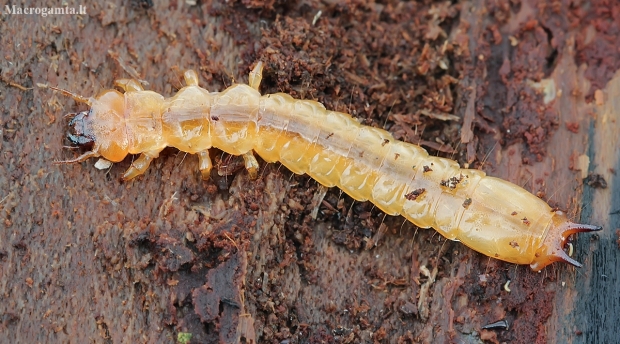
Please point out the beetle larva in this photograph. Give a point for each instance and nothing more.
(490, 215)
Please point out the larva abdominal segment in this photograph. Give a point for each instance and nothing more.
(490, 215)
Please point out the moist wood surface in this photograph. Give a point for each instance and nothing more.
(86, 257)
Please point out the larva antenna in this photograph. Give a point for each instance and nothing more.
(75, 96)
(85, 156)
(552, 248)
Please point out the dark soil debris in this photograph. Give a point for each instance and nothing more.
(596, 181)
(413, 195)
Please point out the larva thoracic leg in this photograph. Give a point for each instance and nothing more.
(204, 164)
(251, 164)
(128, 85)
(490, 215)
(191, 78)
(256, 76)
(140, 165)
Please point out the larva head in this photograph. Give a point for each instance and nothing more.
(552, 248)
(102, 126)
(81, 134)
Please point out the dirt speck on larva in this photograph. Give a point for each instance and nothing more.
(413, 195)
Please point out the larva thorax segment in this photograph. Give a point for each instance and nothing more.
(185, 119)
(193, 120)
(104, 125)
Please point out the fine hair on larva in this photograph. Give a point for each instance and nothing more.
(490, 215)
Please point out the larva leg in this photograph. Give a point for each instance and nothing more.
(139, 166)
(204, 164)
(128, 85)
(251, 164)
(256, 75)
(191, 78)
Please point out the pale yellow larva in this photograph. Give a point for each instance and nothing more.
(490, 215)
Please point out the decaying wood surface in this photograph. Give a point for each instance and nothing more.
(526, 90)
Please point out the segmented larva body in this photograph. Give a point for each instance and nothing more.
(490, 215)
